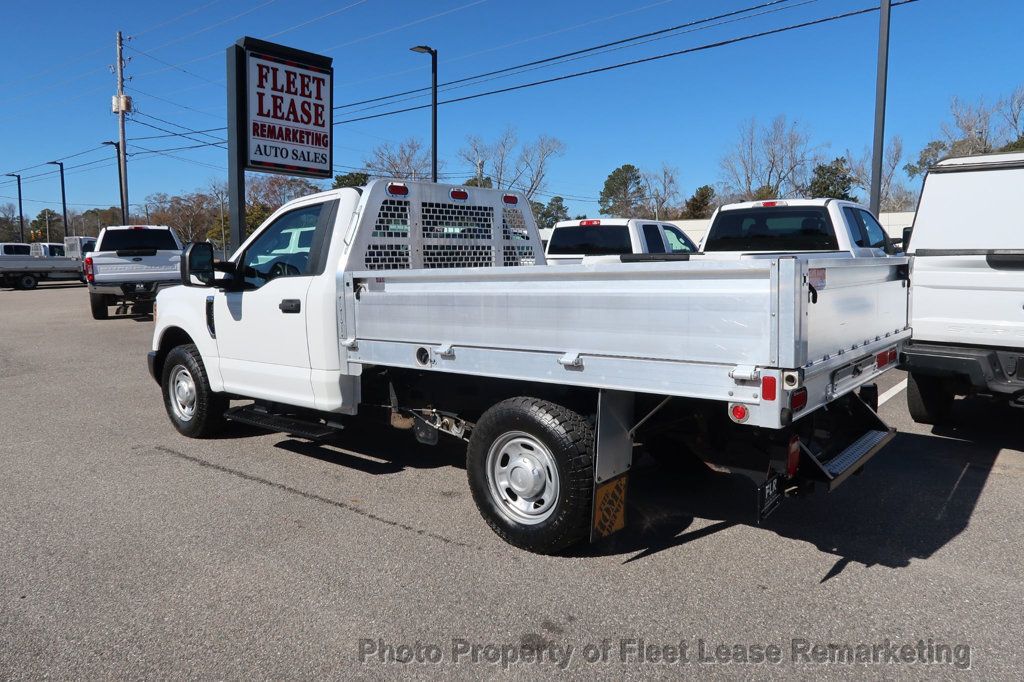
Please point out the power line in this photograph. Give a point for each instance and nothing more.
(644, 60)
(172, 133)
(568, 54)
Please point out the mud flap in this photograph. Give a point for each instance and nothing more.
(769, 497)
(613, 458)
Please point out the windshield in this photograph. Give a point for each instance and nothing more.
(119, 240)
(604, 240)
(772, 229)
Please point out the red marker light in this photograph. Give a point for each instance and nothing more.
(398, 189)
(510, 199)
(768, 388)
(793, 456)
(459, 194)
(589, 223)
(798, 399)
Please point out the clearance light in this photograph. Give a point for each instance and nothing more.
(589, 223)
(510, 199)
(398, 189)
(793, 456)
(768, 388)
(459, 194)
(798, 399)
(739, 413)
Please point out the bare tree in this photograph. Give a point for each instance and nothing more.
(509, 165)
(1011, 110)
(662, 189)
(532, 164)
(769, 161)
(895, 195)
(408, 160)
(972, 130)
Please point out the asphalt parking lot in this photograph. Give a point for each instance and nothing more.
(131, 551)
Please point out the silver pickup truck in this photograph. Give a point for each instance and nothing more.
(433, 306)
(129, 266)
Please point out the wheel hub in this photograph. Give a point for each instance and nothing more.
(182, 392)
(522, 477)
(526, 477)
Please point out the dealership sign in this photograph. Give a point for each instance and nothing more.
(283, 110)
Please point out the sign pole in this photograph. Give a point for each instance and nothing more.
(236, 148)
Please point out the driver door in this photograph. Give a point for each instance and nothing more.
(261, 330)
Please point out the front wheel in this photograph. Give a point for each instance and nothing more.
(531, 471)
(194, 408)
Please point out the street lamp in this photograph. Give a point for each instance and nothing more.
(21, 213)
(425, 49)
(120, 182)
(63, 197)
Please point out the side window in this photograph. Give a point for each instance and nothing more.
(856, 225)
(877, 238)
(677, 241)
(283, 249)
(652, 237)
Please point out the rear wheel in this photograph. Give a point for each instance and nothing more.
(531, 471)
(194, 408)
(98, 304)
(929, 399)
(27, 281)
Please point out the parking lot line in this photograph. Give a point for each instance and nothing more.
(892, 392)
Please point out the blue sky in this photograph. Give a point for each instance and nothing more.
(685, 110)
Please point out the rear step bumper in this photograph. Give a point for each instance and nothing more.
(834, 469)
(989, 370)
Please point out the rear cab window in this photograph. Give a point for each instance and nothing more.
(805, 228)
(652, 238)
(603, 240)
(133, 239)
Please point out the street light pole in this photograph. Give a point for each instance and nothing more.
(21, 213)
(120, 181)
(63, 197)
(426, 49)
(885, 10)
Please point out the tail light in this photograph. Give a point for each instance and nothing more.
(798, 399)
(459, 194)
(398, 189)
(510, 199)
(793, 456)
(739, 413)
(87, 267)
(886, 357)
(769, 388)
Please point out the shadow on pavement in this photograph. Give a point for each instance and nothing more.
(910, 501)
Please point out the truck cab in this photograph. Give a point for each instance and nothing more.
(823, 226)
(575, 241)
(15, 249)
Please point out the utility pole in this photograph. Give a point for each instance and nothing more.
(880, 91)
(21, 213)
(122, 105)
(120, 179)
(63, 198)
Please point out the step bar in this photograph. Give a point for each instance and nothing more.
(261, 417)
(840, 466)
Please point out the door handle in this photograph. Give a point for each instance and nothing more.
(290, 305)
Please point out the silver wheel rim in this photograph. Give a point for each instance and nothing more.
(522, 477)
(182, 393)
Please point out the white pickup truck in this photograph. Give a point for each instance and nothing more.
(434, 306)
(129, 264)
(572, 241)
(833, 227)
(967, 298)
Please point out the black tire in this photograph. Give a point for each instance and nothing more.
(98, 304)
(569, 440)
(27, 281)
(929, 399)
(207, 413)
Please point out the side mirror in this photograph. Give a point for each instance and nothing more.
(197, 265)
(907, 231)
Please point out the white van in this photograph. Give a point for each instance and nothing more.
(967, 285)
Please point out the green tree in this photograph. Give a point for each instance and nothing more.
(832, 180)
(701, 203)
(549, 214)
(51, 218)
(354, 179)
(932, 153)
(1015, 146)
(623, 194)
(485, 181)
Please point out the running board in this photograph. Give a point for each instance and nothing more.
(260, 417)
